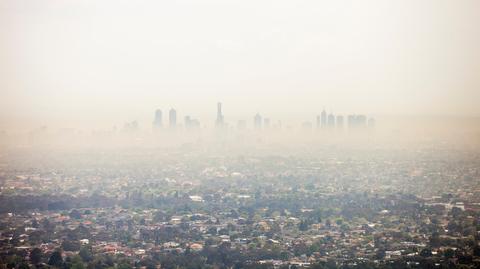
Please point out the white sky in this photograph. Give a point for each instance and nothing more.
(90, 63)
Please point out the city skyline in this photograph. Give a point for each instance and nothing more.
(96, 67)
(258, 122)
(207, 118)
(239, 134)
(169, 117)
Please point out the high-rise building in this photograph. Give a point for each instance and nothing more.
(324, 119)
(191, 123)
(357, 121)
(351, 121)
(172, 118)
(331, 120)
(361, 121)
(318, 121)
(266, 123)
(219, 122)
(339, 122)
(157, 122)
(257, 121)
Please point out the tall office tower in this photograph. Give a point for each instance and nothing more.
(324, 119)
(266, 123)
(188, 121)
(351, 121)
(219, 122)
(361, 121)
(339, 122)
(157, 122)
(257, 121)
(318, 121)
(172, 118)
(331, 121)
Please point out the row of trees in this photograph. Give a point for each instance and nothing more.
(222, 257)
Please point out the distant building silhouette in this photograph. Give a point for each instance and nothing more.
(266, 123)
(220, 121)
(318, 121)
(257, 121)
(172, 118)
(351, 121)
(361, 121)
(339, 121)
(157, 122)
(331, 121)
(324, 119)
(357, 121)
(191, 123)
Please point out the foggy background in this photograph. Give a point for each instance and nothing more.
(98, 64)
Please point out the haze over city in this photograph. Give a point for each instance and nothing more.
(231, 134)
(92, 64)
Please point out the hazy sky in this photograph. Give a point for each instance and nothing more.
(104, 62)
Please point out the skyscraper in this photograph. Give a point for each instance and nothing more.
(219, 121)
(266, 123)
(318, 121)
(361, 121)
(187, 121)
(331, 121)
(351, 121)
(157, 122)
(339, 122)
(324, 119)
(257, 121)
(357, 121)
(172, 118)
(191, 123)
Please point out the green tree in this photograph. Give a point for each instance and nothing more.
(75, 262)
(449, 253)
(36, 256)
(86, 254)
(56, 259)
